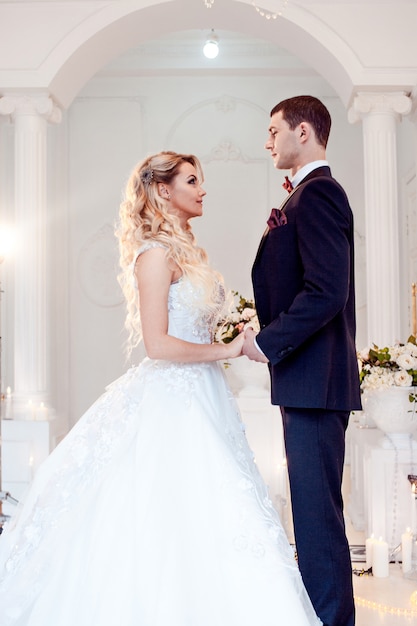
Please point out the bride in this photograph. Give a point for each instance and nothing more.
(196, 540)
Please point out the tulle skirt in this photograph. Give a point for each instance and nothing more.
(151, 512)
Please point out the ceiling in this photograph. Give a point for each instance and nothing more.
(183, 51)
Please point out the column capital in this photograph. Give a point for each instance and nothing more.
(396, 104)
(413, 115)
(42, 105)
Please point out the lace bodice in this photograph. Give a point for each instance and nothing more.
(189, 319)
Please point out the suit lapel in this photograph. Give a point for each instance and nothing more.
(280, 208)
(320, 171)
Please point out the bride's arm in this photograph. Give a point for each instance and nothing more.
(154, 276)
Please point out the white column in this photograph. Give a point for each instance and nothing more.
(30, 115)
(380, 113)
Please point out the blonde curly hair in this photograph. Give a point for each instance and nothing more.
(144, 218)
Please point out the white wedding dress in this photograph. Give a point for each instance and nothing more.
(151, 511)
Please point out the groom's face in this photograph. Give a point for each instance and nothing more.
(282, 142)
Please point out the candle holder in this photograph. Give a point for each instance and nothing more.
(411, 571)
(5, 496)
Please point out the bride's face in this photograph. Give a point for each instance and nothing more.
(186, 194)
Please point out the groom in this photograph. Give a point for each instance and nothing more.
(303, 279)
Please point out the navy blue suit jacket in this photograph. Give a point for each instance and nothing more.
(303, 279)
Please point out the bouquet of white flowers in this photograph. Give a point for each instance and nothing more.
(390, 366)
(242, 314)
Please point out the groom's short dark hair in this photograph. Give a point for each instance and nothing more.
(306, 109)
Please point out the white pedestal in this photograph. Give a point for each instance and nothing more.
(25, 444)
(380, 502)
(388, 491)
(357, 438)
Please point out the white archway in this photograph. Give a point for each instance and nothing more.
(116, 28)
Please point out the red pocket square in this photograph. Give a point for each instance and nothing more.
(277, 218)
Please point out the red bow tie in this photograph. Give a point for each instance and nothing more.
(287, 184)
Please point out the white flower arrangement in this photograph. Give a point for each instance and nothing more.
(393, 366)
(242, 315)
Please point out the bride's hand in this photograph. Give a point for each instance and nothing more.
(235, 346)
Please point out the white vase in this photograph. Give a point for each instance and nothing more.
(393, 413)
(364, 420)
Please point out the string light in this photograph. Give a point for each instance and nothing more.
(385, 608)
(262, 12)
(266, 14)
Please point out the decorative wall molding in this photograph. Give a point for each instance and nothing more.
(223, 104)
(97, 268)
(225, 151)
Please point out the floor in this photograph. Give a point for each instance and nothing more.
(388, 601)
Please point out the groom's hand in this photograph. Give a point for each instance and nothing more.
(249, 348)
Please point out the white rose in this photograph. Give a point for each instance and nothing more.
(253, 323)
(406, 361)
(364, 354)
(395, 351)
(248, 313)
(412, 349)
(403, 379)
(378, 378)
(371, 383)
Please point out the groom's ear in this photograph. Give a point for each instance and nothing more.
(305, 131)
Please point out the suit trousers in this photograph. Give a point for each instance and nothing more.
(315, 448)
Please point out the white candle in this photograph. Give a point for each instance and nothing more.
(380, 562)
(31, 410)
(368, 551)
(8, 407)
(406, 550)
(42, 412)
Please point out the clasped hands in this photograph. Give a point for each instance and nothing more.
(249, 349)
(243, 345)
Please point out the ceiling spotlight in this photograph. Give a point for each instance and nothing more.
(211, 47)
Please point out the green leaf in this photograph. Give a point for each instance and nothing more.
(412, 340)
